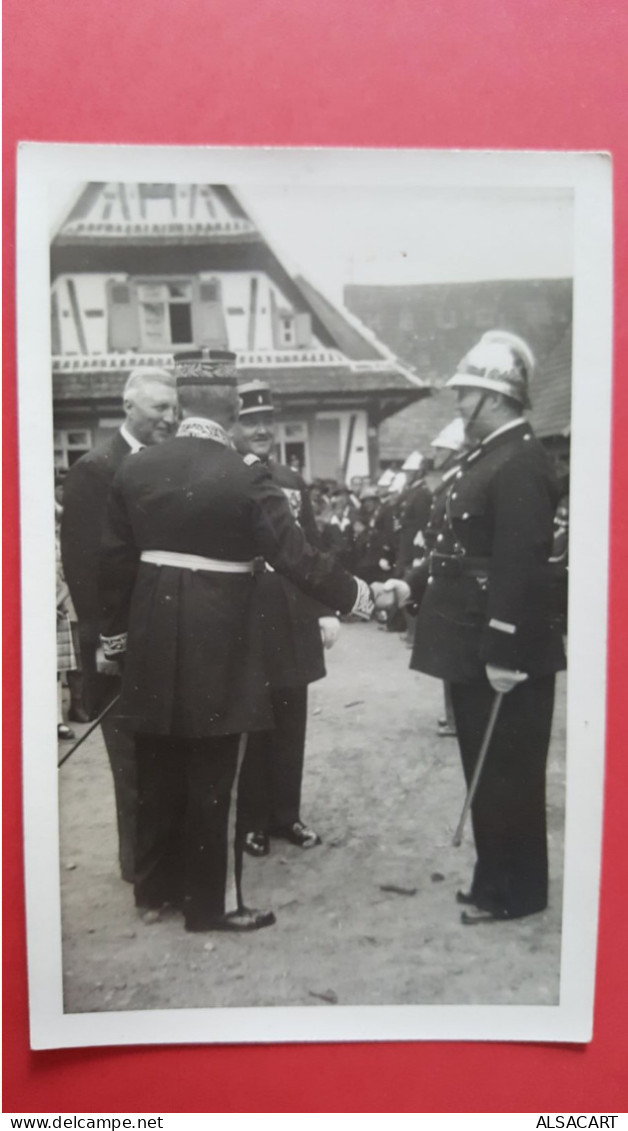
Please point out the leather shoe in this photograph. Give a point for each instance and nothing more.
(473, 918)
(78, 714)
(465, 897)
(257, 844)
(446, 729)
(297, 833)
(246, 919)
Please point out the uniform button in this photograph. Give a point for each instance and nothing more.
(527, 437)
(466, 514)
(440, 538)
(458, 475)
(454, 494)
(430, 581)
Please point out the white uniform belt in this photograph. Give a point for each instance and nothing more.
(194, 562)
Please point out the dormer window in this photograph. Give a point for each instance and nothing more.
(153, 314)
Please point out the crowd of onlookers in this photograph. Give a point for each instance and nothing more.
(376, 530)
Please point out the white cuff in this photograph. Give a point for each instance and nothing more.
(363, 607)
(502, 626)
(114, 645)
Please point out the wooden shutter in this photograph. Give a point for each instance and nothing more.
(55, 325)
(208, 317)
(274, 319)
(303, 330)
(123, 323)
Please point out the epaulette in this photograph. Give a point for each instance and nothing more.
(250, 459)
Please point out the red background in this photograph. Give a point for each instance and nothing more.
(448, 73)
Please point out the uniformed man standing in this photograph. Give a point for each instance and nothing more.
(185, 523)
(486, 623)
(413, 511)
(295, 628)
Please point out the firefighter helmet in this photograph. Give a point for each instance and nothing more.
(501, 362)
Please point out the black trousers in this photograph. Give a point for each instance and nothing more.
(508, 814)
(98, 691)
(189, 843)
(273, 768)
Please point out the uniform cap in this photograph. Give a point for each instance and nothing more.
(501, 362)
(205, 367)
(255, 397)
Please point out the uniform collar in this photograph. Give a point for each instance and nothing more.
(518, 423)
(134, 444)
(500, 435)
(201, 428)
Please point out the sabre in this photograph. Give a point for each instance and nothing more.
(96, 723)
(475, 780)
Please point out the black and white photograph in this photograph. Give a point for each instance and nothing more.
(314, 453)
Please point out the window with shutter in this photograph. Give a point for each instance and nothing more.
(70, 445)
(286, 329)
(123, 328)
(209, 323)
(165, 313)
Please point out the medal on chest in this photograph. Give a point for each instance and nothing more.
(294, 499)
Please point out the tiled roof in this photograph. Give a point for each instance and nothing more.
(416, 426)
(551, 392)
(353, 339)
(101, 384)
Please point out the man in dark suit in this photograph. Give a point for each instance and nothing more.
(295, 629)
(486, 623)
(149, 401)
(185, 523)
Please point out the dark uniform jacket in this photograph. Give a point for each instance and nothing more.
(488, 596)
(85, 494)
(378, 544)
(413, 513)
(293, 646)
(194, 665)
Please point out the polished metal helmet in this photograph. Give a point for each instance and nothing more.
(501, 362)
(452, 437)
(414, 462)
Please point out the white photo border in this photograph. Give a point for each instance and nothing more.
(589, 175)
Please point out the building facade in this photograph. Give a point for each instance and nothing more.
(140, 271)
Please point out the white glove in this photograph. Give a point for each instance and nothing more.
(384, 599)
(503, 679)
(330, 630)
(105, 666)
(400, 589)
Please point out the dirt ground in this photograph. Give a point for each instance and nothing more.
(385, 793)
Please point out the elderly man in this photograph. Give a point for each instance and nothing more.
(150, 408)
(486, 623)
(185, 523)
(295, 629)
